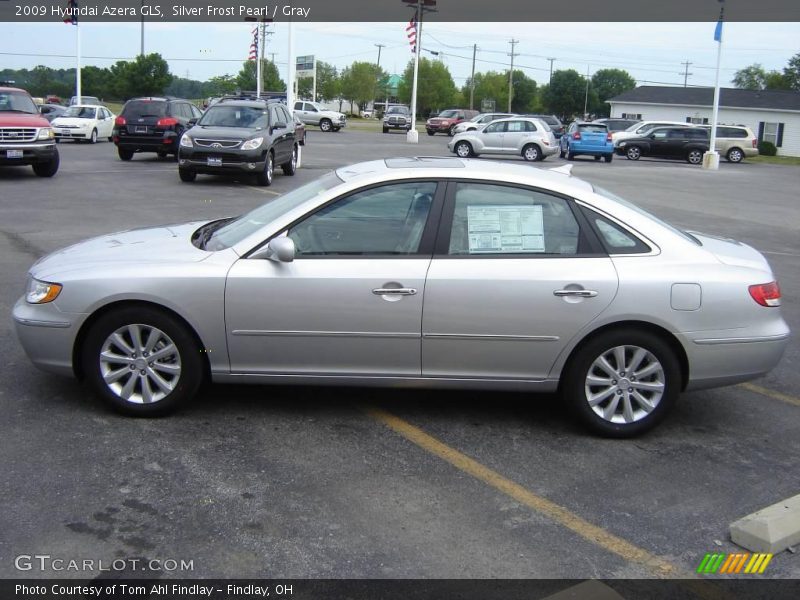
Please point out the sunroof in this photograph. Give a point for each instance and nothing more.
(424, 162)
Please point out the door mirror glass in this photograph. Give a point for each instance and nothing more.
(281, 249)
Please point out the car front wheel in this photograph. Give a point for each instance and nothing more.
(49, 168)
(622, 383)
(187, 175)
(531, 153)
(93, 137)
(463, 149)
(325, 125)
(141, 361)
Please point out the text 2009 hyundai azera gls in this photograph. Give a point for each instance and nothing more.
(417, 271)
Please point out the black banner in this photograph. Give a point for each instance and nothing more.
(398, 10)
(402, 589)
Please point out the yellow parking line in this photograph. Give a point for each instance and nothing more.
(757, 389)
(262, 190)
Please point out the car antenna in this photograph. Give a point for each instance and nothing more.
(565, 169)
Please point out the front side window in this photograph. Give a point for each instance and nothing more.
(662, 134)
(494, 219)
(496, 127)
(385, 220)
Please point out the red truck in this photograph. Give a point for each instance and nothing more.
(26, 137)
(447, 120)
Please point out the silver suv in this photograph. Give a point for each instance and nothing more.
(735, 142)
(312, 113)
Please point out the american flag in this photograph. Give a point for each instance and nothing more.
(411, 32)
(254, 46)
(72, 6)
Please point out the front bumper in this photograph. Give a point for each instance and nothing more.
(441, 128)
(72, 134)
(47, 335)
(233, 161)
(389, 125)
(32, 153)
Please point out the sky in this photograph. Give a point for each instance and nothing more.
(651, 52)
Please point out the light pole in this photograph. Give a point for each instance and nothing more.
(420, 6)
(711, 158)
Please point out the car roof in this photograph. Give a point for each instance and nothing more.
(84, 106)
(453, 167)
(11, 89)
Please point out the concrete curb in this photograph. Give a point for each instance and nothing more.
(771, 529)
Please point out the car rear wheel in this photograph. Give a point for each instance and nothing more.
(265, 177)
(187, 175)
(598, 157)
(141, 361)
(325, 125)
(531, 153)
(735, 155)
(124, 154)
(463, 149)
(431, 132)
(633, 153)
(609, 157)
(49, 168)
(161, 154)
(622, 383)
(290, 168)
(452, 131)
(694, 157)
(385, 130)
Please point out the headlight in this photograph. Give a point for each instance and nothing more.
(186, 141)
(46, 133)
(622, 144)
(42, 292)
(252, 144)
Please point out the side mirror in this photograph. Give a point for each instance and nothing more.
(280, 249)
(192, 122)
(278, 125)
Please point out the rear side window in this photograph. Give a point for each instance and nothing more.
(614, 238)
(144, 108)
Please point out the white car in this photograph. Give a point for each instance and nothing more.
(479, 122)
(641, 129)
(84, 122)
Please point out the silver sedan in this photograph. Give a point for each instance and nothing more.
(436, 272)
(530, 138)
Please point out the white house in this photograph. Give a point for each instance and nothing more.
(774, 115)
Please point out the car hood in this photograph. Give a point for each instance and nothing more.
(732, 252)
(12, 119)
(163, 244)
(226, 133)
(74, 121)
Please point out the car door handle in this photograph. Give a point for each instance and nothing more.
(394, 291)
(575, 293)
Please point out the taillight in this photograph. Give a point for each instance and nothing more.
(766, 294)
(166, 122)
(608, 137)
(120, 121)
(755, 143)
(576, 135)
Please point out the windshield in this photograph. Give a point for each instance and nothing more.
(244, 226)
(448, 114)
(17, 102)
(397, 110)
(235, 116)
(80, 112)
(611, 196)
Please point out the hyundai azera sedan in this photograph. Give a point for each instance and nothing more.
(436, 272)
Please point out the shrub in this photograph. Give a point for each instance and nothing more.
(767, 149)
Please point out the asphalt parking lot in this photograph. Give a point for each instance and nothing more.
(306, 482)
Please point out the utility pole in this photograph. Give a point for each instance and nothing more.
(377, 73)
(552, 60)
(513, 43)
(586, 96)
(686, 73)
(141, 48)
(472, 77)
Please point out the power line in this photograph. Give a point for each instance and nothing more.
(686, 73)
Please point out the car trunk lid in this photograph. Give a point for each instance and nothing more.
(732, 252)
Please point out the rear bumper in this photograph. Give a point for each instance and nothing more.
(167, 141)
(594, 150)
(32, 153)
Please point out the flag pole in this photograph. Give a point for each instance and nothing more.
(258, 60)
(711, 158)
(412, 137)
(78, 65)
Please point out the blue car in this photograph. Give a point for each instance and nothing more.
(592, 139)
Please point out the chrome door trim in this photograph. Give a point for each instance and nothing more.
(741, 340)
(366, 334)
(577, 293)
(490, 337)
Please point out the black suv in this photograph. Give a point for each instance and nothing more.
(553, 122)
(689, 143)
(240, 135)
(153, 125)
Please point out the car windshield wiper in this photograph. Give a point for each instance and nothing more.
(206, 231)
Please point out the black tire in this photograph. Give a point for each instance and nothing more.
(265, 177)
(561, 153)
(694, 157)
(93, 137)
(49, 168)
(385, 130)
(303, 141)
(325, 125)
(187, 357)
(110, 139)
(609, 157)
(633, 152)
(124, 154)
(735, 155)
(570, 156)
(452, 131)
(598, 157)
(575, 386)
(532, 153)
(58, 140)
(162, 154)
(187, 175)
(431, 132)
(290, 168)
(463, 149)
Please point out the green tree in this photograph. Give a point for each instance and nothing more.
(565, 94)
(753, 77)
(791, 73)
(359, 82)
(146, 76)
(606, 84)
(328, 84)
(246, 79)
(221, 84)
(96, 81)
(435, 87)
(524, 96)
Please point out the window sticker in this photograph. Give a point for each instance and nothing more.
(505, 229)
